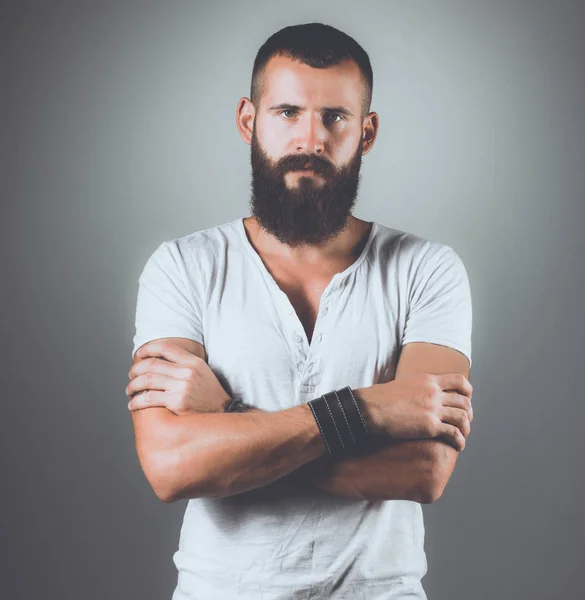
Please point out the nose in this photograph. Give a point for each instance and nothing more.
(310, 136)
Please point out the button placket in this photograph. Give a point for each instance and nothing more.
(306, 360)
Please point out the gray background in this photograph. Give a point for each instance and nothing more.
(118, 131)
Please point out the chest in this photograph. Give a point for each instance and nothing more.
(256, 346)
(304, 291)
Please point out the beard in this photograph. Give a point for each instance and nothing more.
(312, 213)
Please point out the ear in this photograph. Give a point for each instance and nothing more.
(245, 115)
(370, 131)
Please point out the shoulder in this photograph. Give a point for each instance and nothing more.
(199, 249)
(204, 241)
(409, 250)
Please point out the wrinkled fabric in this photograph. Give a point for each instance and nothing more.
(278, 542)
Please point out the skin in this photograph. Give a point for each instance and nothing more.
(310, 130)
(174, 393)
(170, 395)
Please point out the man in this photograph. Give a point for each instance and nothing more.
(276, 309)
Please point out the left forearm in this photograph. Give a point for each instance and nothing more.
(402, 470)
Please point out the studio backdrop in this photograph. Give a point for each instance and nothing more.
(118, 132)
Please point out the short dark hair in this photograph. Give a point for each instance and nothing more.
(317, 45)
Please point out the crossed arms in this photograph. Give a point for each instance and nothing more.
(170, 447)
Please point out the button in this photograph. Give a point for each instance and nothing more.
(325, 311)
(298, 338)
(320, 337)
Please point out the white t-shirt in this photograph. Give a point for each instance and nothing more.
(278, 542)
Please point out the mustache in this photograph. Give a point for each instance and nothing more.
(298, 162)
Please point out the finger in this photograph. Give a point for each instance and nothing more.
(454, 435)
(455, 400)
(149, 399)
(167, 350)
(457, 417)
(455, 381)
(157, 365)
(153, 381)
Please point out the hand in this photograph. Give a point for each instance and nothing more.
(173, 378)
(420, 406)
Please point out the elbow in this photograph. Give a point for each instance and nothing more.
(172, 481)
(172, 468)
(164, 495)
(160, 473)
(429, 493)
(164, 489)
(429, 489)
(431, 485)
(157, 473)
(437, 474)
(435, 481)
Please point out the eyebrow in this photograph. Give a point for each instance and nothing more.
(338, 109)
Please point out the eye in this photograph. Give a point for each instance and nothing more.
(287, 110)
(333, 115)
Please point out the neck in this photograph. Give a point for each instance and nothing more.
(347, 244)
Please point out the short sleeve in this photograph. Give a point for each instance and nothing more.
(440, 304)
(164, 304)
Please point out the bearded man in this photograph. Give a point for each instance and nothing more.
(301, 375)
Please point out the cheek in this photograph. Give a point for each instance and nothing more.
(349, 139)
(346, 147)
(276, 142)
(270, 136)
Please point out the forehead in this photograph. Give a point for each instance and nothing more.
(287, 80)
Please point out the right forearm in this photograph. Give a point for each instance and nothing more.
(220, 454)
(390, 470)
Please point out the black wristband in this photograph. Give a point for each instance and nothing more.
(237, 406)
(233, 406)
(341, 423)
(327, 426)
(352, 409)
